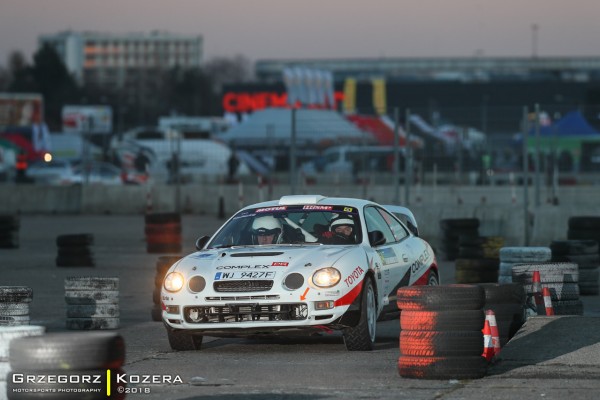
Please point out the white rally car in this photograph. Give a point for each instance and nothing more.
(304, 262)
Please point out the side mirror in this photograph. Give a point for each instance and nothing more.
(376, 238)
(201, 242)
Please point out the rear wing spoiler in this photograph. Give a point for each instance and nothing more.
(406, 216)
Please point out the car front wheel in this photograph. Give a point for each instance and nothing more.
(362, 336)
(183, 341)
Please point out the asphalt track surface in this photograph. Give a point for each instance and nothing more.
(562, 363)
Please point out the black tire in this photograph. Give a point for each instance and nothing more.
(470, 252)
(362, 336)
(583, 234)
(156, 295)
(74, 261)
(473, 367)
(14, 320)
(156, 313)
(457, 320)
(512, 293)
(91, 283)
(92, 297)
(79, 239)
(180, 340)
(455, 223)
(161, 218)
(549, 273)
(583, 261)
(525, 254)
(68, 351)
(92, 323)
(442, 297)
(12, 308)
(93, 311)
(15, 294)
(589, 289)
(591, 223)
(573, 247)
(74, 252)
(164, 248)
(570, 307)
(441, 343)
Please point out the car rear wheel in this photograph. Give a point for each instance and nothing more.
(183, 341)
(432, 279)
(362, 336)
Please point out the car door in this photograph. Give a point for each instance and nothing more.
(394, 256)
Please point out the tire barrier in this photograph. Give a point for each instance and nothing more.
(7, 334)
(162, 266)
(14, 305)
(452, 230)
(74, 250)
(163, 233)
(507, 301)
(441, 332)
(9, 231)
(584, 228)
(510, 256)
(92, 303)
(560, 278)
(71, 355)
(476, 270)
(585, 254)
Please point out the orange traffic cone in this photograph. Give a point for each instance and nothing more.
(490, 317)
(488, 346)
(547, 301)
(536, 289)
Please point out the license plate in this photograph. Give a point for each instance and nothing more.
(220, 276)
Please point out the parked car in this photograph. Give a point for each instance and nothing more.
(65, 172)
(332, 264)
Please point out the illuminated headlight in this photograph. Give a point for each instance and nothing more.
(326, 277)
(174, 282)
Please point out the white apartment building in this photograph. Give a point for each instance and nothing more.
(118, 60)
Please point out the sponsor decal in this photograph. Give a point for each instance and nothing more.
(354, 276)
(280, 264)
(323, 208)
(256, 266)
(419, 262)
(388, 256)
(268, 209)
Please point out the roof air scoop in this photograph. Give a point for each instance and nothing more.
(300, 199)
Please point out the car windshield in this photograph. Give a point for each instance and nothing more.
(297, 224)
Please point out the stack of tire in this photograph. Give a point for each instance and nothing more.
(508, 304)
(452, 230)
(162, 266)
(491, 246)
(585, 254)
(14, 305)
(584, 228)
(72, 355)
(562, 280)
(74, 250)
(9, 231)
(441, 332)
(7, 334)
(163, 233)
(477, 262)
(509, 256)
(92, 303)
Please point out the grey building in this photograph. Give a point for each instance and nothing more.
(117, 59)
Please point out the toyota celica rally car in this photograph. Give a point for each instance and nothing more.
(307, 278)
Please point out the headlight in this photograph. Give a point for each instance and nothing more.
(174, 282)
(326, 277)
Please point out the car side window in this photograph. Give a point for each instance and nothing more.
(376, 222)
(397, 229)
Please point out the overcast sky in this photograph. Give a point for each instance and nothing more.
(261, 29)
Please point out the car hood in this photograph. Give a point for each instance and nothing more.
(288, 258)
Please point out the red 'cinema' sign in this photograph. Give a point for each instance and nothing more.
(245, 102)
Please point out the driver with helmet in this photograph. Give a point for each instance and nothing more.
(266, 230)
(341, 231)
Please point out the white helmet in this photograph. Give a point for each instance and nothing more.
(267, 225)
(341, 221)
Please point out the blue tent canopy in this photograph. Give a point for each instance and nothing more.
(572, 124)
